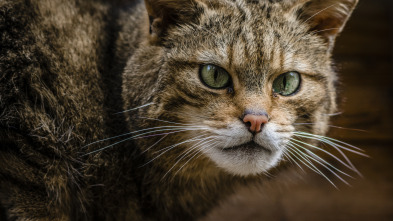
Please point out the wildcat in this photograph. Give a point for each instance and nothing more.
(159, 109)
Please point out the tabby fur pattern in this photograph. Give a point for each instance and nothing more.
(75, 73)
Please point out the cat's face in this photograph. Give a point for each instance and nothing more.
(239, 79)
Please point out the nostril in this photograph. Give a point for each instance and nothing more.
(255, 122)
(248, 124)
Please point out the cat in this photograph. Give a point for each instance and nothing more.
(159, 109)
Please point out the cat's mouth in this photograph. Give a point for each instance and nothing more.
(249, 158)
(241, 153)
(249, 147)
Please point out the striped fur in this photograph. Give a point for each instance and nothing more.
(67, 68)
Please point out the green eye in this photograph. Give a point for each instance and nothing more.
(287, 84)
(214, 76)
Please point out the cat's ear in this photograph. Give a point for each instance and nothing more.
(165, 13)
(327, 17)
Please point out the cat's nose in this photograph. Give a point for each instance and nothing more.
(255, 122)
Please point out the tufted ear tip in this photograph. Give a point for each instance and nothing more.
(327, 18)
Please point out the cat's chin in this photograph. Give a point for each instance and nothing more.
(250, 147)
(246, 159)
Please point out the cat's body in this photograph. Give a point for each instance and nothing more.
(68, 67)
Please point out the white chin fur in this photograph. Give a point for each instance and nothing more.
(247, 162)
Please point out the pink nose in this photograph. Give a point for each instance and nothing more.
(256, 122)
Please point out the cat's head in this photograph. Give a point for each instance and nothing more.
(233, 80)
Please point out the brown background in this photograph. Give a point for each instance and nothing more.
(364, 58)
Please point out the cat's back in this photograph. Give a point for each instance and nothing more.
(54, 65)
(52, 57)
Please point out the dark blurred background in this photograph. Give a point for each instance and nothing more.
(364, 57)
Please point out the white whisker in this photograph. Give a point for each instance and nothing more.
(308, 163)
(332, 139)
(288, 155)
(192, 148)
(145, 135)
(165, 121)
(136, 108)
(193, 156)
(319, 12)
(332, 126)
(191, 139)
(325, 166)
(334, 114)
(130, 138)
(336, 146)
(327, 152)
(313, 155)
(129, 133)
(294, 154)
(166, 149)
(154, 144)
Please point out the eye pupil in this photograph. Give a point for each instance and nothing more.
(214, 76)
(287, 83)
